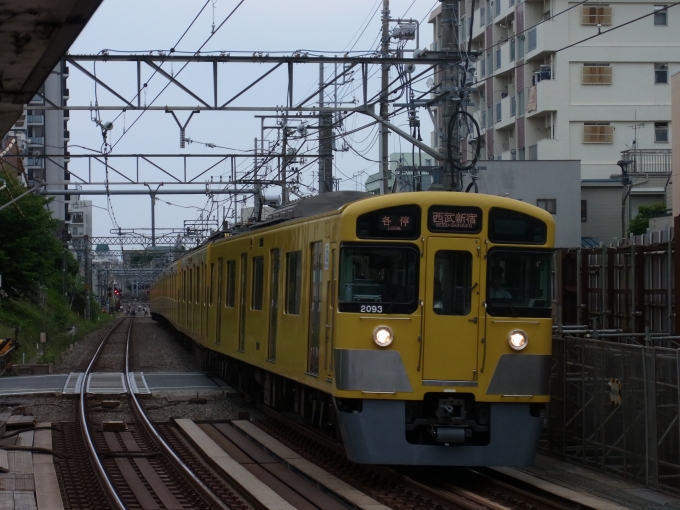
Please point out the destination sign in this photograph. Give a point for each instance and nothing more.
(402, 222)
(396, 222)
(454, 218)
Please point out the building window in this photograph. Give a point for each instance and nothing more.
(520, 47)
(548, 204)
(483, 119)
(584, 211)
(498, 59)
(531, 45)
(481, 16)
(660, 15)
(489, 116)
(482, 68)
(498, 112)
(597, 74)
(598, 132)
(463, 29)
(489, 64)
(661, 132)
(596, 15)
(660, 73)
(512, 50)
(513, 106)
(520, 103)
(293, 282)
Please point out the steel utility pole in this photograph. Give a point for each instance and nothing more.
(384, 108)
(449, 78)
(88, 278)
(284, 164)
(325, 141)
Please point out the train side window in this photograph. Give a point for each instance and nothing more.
(230, 300)
(184, 285)
(191, 283)
(452, 287)
(257, 283)
(212, 279)
(198, 284)
(293, 282)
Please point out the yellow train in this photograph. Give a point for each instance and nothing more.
(415, 326)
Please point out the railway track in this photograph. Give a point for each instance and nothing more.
(138, 465)
(410, 489)
(134, 465)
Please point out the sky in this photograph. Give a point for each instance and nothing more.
(275, 27)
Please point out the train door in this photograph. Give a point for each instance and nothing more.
(274, 303)
(242, 303)
(218, 301)
(451, 335)
(316, 267)
(329, 267)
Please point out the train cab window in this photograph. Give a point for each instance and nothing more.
(258, 283)
(506, 226)
(230, 298)
(519, 283)
(452, 286)
(378, 278)
(293, 282)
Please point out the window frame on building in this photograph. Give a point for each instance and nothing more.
(660, 70)
(660, 15)
(596, 74)
(661, 132)
(598, 132)
(593, 15)
(547, 204)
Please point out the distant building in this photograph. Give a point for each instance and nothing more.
(81, 217)
(535, 102)
(406, 173)
(45, 132)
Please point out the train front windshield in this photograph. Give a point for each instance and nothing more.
(378, 279)
(518, 283)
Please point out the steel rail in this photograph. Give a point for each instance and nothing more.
(109, 490)
(211, 498)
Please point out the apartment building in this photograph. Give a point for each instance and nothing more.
(559, 80)
(41, 132)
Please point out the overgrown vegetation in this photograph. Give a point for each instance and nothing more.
(640, 223)
(41, 291)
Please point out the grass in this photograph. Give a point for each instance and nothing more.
(54, 317)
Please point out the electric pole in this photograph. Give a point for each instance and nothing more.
(284, 164)
(325, 141)
(384, 108)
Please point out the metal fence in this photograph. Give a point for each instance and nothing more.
(615, 392)
(633, 432)
(629, 286)
(648, 161)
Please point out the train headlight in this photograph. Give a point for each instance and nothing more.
(518, 339)
(383, 336)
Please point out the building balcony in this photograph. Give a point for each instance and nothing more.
(509, 155)
(507, 116)
(35, 119)
(505, 56)
(648, 161)
(35, 140)
(480, 117)
(34, 162)
(66, 94)
(37, 99)
(507, 7)
(479, 23)
(541, 40)
(548, 148)
(67, 135)
(546, 96)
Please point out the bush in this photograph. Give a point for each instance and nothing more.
(640, 223)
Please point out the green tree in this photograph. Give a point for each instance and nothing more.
(640, 223)
(31, 255)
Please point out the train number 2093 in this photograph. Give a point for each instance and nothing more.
(371, 309)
